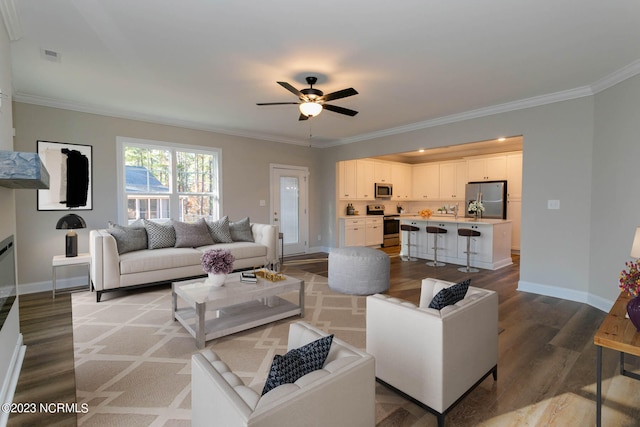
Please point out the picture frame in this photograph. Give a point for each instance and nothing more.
(70, 168)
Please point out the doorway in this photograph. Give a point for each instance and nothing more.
(289, 202)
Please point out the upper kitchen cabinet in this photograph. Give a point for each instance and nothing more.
(426, 181)
(453, 178)
(401, 180)
(514, 176)
(365, 179)
(382, 172)
(487, 168)
(347, 179)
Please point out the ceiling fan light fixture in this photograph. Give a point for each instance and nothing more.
(310, 109)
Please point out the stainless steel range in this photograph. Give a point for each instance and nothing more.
(391, 234)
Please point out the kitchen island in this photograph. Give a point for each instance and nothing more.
(491, 250)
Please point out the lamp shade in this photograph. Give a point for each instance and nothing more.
(310, 109)
(70, 221)
(635, 247)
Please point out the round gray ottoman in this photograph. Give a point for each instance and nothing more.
(358, 270)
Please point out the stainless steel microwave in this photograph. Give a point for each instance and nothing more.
(383, 190)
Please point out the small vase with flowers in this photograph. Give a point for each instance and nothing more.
(630, 283)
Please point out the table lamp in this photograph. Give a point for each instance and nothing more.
(71, 222)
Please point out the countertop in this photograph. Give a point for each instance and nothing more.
(451, 218)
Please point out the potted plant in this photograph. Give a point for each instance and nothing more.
(217, 263)
(476, 208)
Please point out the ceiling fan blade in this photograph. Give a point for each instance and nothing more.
(277, 103)
(291, 89)
(303, 117)
(340, 110)
(339, 94)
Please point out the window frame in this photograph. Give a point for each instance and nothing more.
(174, 195)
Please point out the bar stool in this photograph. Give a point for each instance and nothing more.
(409, 228)
(435, 231)
(468, 233)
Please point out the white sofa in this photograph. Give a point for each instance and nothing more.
(342, 393)
(112, 271)
(434, 356)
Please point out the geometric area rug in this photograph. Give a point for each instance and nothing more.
(133, 361)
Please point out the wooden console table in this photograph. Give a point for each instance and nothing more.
(617, 333)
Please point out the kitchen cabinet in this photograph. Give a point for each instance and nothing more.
(382, 172)
(487, 168)
(374, 234)
(514, 213)
(426, 181)
(514, 175)
(364, 180)
(453, 178)
(401, 180)
(347, 179)
(361, 231)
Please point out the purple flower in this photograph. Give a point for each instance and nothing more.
(217, 261)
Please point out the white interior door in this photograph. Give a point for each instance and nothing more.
(289, 206)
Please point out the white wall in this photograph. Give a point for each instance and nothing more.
(245, 177)
(10, 337)
(557, 164)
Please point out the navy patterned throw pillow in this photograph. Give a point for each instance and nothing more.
(297, 363)
(450, 295)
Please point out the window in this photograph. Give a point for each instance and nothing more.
(167, 181)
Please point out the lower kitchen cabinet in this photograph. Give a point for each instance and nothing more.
(362, 231)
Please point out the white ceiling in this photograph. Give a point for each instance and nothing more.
(415, 63)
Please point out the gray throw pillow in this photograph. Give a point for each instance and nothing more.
(220, 230)
(128, 239)
(160, 235)
(192, 235)
(241, 230)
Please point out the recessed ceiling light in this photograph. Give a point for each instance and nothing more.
(502, 139)
(421, 151)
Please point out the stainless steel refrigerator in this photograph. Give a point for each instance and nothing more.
(492, 194)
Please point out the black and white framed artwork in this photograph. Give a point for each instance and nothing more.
(70, 176)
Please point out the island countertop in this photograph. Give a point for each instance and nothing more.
(451, 218)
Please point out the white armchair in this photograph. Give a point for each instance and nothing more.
(434, 356)
(342, 393)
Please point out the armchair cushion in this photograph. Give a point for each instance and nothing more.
(450, 295)
(297, 362)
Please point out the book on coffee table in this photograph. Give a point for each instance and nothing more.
(248, 277)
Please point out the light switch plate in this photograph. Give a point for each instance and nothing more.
(263, 203)
(553, 204)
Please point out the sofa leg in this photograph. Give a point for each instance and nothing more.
(98, 296)
(495, 373)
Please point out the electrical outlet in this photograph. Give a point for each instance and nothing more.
(319, 237)
(553, 204)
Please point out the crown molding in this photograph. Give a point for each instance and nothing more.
(121, 114)
(11, 19)
(606, 82)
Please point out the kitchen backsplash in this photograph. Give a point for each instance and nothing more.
(391, 207)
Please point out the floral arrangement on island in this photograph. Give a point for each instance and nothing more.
(217, 261)
(425, 213)
(475, 207)
(630, 279)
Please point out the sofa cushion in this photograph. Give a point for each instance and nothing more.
(240, 250)
(241, 230)
(286, 369)
(160, 235)
(450, 295)
(128, 238)
(219, 230)
(158, 259)
(192, 234)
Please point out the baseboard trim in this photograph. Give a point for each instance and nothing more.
(47, 285)
(567, 294)
(11, 381)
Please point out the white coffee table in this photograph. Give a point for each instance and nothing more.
(209, 312)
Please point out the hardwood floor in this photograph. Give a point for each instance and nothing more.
(546, 356)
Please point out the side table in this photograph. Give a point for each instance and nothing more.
(64, 261)
(616, 333)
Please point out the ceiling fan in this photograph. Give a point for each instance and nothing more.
(312, 101)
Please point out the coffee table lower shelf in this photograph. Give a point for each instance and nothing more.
(235, 318)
